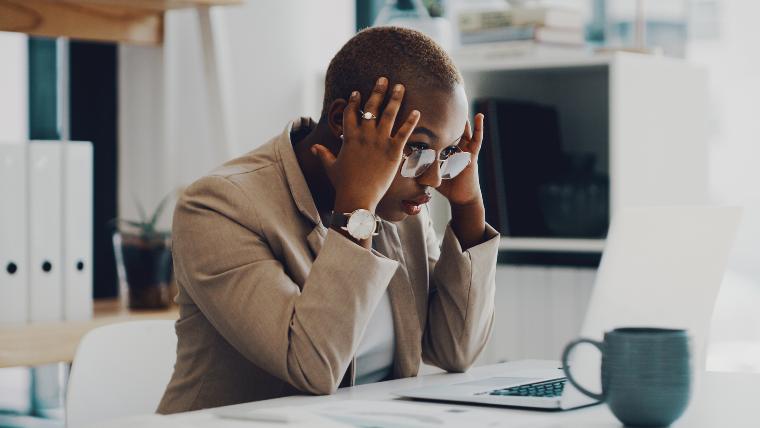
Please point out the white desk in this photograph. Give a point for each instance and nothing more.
(724, 400)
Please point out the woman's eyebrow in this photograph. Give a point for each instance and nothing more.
(425, 131)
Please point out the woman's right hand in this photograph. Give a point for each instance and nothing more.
(370, 156)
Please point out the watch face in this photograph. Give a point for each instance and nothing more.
(361, 224)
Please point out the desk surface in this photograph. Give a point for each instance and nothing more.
(50, 342)
(721, 400)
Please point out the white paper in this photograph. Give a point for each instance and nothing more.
(400, 414)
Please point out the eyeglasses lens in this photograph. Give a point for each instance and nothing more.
(454, 164)
(417, 162)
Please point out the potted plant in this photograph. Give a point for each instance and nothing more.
(144, 259)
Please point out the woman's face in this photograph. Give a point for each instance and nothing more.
(441, 125)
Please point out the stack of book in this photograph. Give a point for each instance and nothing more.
(519, 31)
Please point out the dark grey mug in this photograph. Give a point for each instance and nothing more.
(646, 374)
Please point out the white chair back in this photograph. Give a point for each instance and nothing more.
(120, 370)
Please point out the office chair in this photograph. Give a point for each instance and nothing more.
(120, 370)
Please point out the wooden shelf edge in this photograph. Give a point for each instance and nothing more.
(161, 5)
(124, 21)
(86, 21)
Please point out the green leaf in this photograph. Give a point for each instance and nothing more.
(159, 210)
(140, 210)
(147, 229)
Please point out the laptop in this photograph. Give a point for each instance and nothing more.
(661, 267)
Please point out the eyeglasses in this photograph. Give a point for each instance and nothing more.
(417, 160)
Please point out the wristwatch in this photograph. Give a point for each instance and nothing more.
(360, 224)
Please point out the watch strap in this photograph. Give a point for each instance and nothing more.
(338, 219)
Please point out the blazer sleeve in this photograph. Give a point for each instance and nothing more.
(305, 337)
(461, 299)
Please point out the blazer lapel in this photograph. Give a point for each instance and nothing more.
(292, 171)
(403, 305)
(316, 238)
(418, 273)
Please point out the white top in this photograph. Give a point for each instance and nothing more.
(374, 357)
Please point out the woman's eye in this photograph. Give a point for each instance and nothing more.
(412, 147)
(448, 152)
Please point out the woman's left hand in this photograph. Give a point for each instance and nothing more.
(464, 189)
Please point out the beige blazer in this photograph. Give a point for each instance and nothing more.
(273, 303)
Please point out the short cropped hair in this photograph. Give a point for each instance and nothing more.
(400, 54)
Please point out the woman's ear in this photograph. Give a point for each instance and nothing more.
(335, 116)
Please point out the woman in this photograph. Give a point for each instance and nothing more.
(311, 263)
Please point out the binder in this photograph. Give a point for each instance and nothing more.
(45, 278)
(77, 231)
(521, 151)
(14, 266)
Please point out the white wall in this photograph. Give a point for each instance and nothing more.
(279, 48)
(733, 62)
(275, 51)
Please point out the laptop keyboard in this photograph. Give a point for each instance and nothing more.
(549, 388)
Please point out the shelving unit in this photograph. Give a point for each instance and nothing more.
(642, 117)
(120, 21)
(478, 65)
(138, 22)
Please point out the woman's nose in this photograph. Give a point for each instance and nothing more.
(432, 176)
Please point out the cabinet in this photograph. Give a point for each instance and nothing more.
(642, 118)
(644, 121)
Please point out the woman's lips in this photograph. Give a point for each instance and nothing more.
(413, 207)
(410, 208)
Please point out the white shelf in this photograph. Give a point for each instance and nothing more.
(468, 64)
(552, 244)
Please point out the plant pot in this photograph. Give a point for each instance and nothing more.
(145, 266)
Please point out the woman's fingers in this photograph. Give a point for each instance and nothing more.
(374, 102)
(391, 110)
(351, 116)
(477, 136)
(325, 156)
(405, 131)
(472, 139)
(467, 136)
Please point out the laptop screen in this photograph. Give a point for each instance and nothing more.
(661, 267)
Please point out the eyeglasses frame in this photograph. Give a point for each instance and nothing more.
(440, 165)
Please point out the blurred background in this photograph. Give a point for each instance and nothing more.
(624, 102)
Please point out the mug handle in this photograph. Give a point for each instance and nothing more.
(566, 354)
